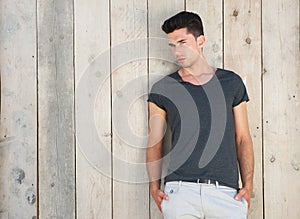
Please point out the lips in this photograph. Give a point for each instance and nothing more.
(181, 59)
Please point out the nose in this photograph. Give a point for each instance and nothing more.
(176, 51)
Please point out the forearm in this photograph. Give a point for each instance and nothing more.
(246, 161)
(154, 165)
(157, 118)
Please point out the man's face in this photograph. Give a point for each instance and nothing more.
(185, 47)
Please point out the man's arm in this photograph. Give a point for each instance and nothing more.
(157, 118)
(245, 153)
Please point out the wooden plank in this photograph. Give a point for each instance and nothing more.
(281, 80)
(211, 15)
(129, 81)
(56, 109)
(92, 39)
(242, 54)
(18, 130)
(161, 60)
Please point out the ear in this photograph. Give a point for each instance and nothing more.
(201, 41)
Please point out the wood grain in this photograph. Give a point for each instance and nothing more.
(92, 42)
(18, 129)
(129, 86)
(47, 173)
(242, 54)
(56, 150)
(281, 80)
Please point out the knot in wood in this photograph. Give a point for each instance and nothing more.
(18, 175)
(295, 166)
(248, 40)
(235, 13)
(30, 196)
(272, 159)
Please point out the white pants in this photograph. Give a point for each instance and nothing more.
(202, 201)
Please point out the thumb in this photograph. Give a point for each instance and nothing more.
(240, 194)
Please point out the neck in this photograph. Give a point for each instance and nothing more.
(199, 73)
(197, 69)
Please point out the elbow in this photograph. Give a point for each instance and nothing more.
(244, 145)
(244, 139)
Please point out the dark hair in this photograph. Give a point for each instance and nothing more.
(183, 19)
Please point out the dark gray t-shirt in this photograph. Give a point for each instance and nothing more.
(202, 125)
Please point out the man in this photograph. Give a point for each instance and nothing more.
(205, 108)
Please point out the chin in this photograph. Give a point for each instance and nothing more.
(183, 65)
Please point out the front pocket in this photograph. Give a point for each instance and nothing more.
(229, 194)
(171, 189)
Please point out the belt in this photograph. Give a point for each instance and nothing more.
(206, 181)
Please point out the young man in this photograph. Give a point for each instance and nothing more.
(206, 110)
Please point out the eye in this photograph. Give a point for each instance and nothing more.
(181, 43)
(171, 45)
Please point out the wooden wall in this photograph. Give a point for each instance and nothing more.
(74, 81)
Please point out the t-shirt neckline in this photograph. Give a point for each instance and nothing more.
(197, 85)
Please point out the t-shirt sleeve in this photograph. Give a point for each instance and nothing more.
(155, 97)
(241, 94)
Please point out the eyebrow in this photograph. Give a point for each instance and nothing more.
(179, 41)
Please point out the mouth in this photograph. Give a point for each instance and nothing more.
(181, 59)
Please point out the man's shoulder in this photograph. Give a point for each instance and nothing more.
(230, 80)
(228, 75)
(173, 75)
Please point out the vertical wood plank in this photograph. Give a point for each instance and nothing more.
(18, 130)
(92, 39)
(242, 54)
(212, 18)
(56, 109)
(161, 60)
(129, 65)
(281, 80)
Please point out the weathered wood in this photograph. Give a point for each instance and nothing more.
(92, 36)
(161, 60)
(211, 15)
(281, 80)
(242, 54)
(18, 129)
(129, 82)
(56, 148)
(37, 123)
